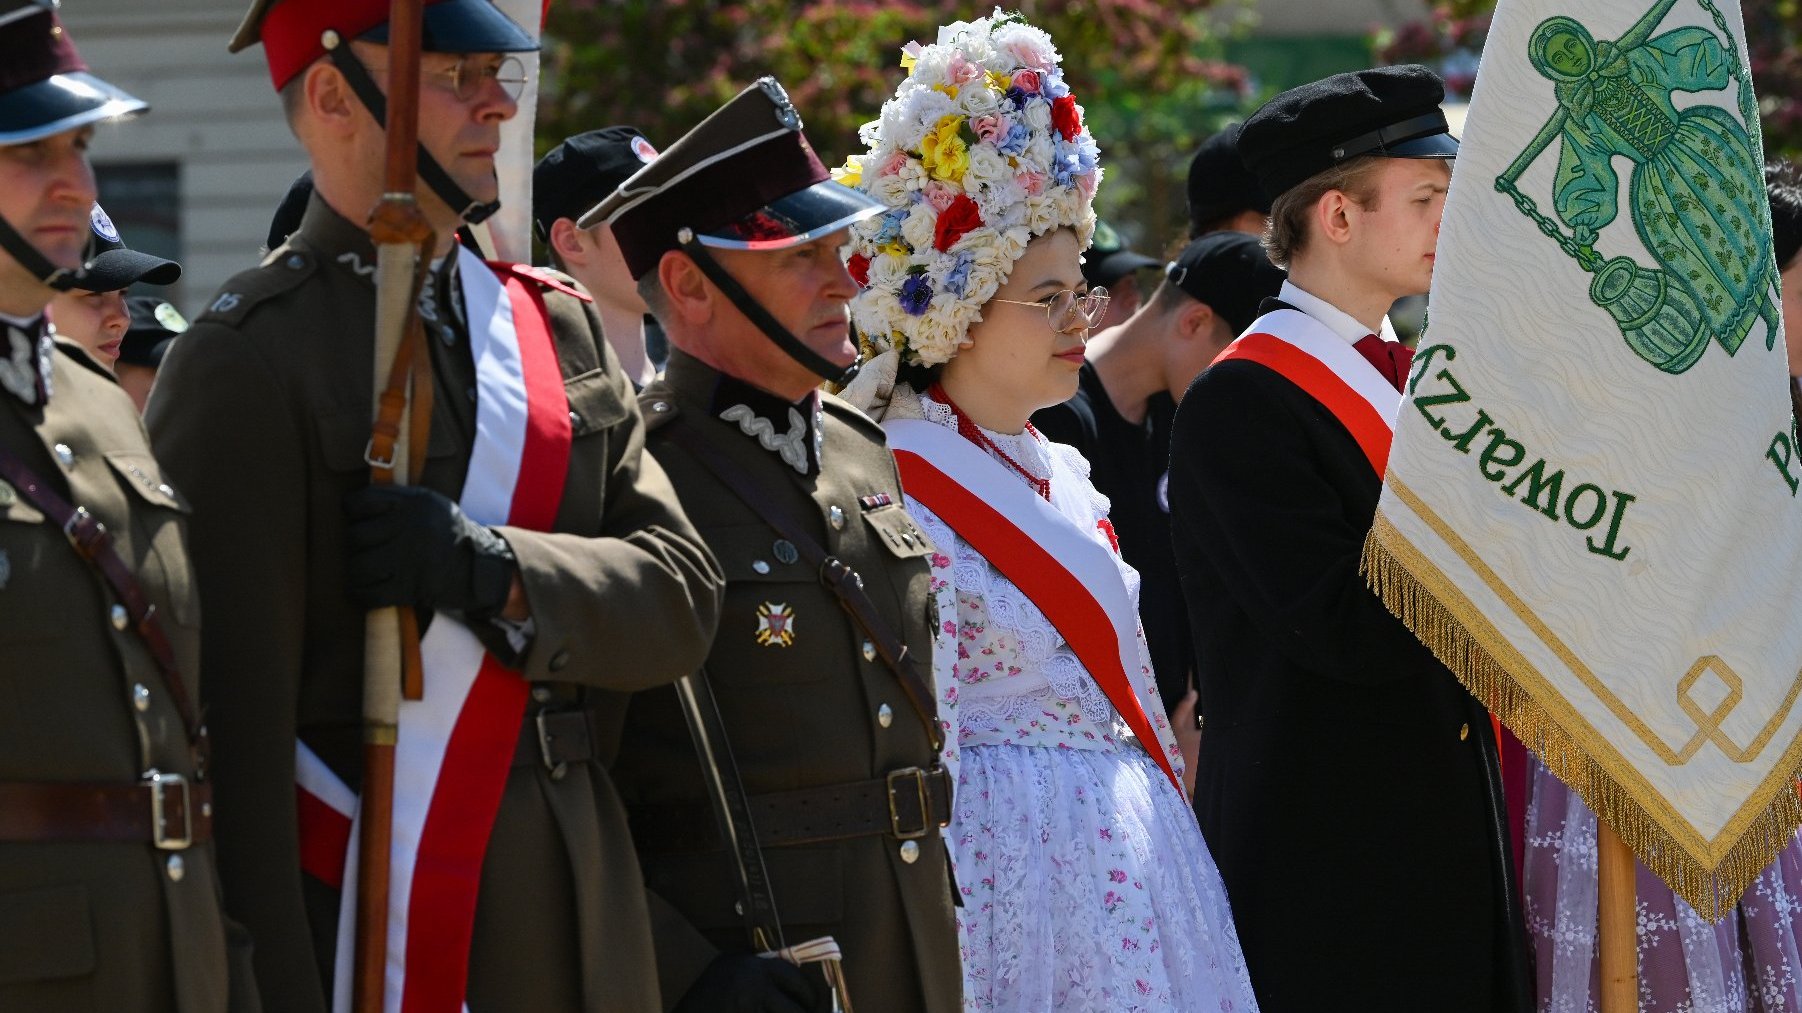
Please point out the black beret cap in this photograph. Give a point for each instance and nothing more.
(1389, 111)
(1220, 186)
(579, 173)
(1229, 272)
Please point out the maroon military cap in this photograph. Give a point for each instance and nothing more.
(45, 88)
(745, 178)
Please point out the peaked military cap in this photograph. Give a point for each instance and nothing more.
(45, 88)
(292, 32)
(745, 178)
(1388, 111)
(1220, 186)
(579, 173)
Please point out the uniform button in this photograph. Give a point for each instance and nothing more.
(296, 262)
(66, 457)
(837, 517)
(541, 694)
(760, 566)
(1463, 732)
(869, 651)
(166, 489)
(471, 393)
(177, 868)
(119, 617)
(575, 419)
(910, 851)
(140, 696)
(558, 660)
(660, 407)
(885, 715)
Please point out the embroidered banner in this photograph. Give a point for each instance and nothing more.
(1591, 510)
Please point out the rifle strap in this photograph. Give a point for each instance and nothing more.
(838, 576)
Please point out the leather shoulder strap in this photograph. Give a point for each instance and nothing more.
(94, 544)
(843, 581)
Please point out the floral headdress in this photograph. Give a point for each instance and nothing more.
(981, 149)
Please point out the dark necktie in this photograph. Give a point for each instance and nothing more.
(1391, 358)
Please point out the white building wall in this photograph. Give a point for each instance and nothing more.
(212, 112)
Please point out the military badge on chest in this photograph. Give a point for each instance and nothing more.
(775, 625)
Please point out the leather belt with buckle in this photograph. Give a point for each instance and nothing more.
(906, 804)
(556, 737)
(167, 811)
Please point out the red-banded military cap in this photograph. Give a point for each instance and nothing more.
(745, 178)
(45, 88)
(292, 32)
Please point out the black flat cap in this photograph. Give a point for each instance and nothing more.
(154, 326)
(579, 173)
(1107, 259)
(1389, 111)
(745, 178)
(112, 266)
(1220, 186)
(1229, 272)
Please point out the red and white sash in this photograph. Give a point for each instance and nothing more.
(1070, 576)
(455, 747)
(1328, 369)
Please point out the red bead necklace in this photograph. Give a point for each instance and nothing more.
(972, 432)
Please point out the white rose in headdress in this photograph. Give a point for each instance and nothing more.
(887, 270)
(1038, 117)
(1039, 151)
(1013, 243)
(888, 189)
(1041, 214)
(918, 228)
(978, 100)
(987, 168)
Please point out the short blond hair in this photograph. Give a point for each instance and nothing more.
(1286, 233)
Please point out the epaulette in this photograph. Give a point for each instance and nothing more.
(844, 411)
(658, 406)
(283, 269)
(543, 276)
(80, 355)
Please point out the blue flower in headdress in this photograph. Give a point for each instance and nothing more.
(916, 295)
(1018, 136)
(890, 229)
(1066, 163)
(1051, 84)
(957, 279)
(1017, 97)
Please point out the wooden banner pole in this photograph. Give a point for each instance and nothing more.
(1618, 923)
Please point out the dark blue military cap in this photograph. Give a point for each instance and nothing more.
(1388, 111)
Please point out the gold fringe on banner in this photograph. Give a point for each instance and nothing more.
(1462, 640)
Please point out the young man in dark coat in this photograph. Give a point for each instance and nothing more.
(1348, 786)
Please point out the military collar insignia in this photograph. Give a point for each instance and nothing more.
(791, 431)
(790, 446)
(25, 362)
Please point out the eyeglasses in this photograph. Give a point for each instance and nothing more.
(1069, 310)
(466, 77)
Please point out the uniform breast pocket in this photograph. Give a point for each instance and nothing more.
(159, 519)
(595, 404)
(46, 948)
(779, 626)
(35, 562)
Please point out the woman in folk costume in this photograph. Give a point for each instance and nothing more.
(1750, 961)
(1085, 881)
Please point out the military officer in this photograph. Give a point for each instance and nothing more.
(108, 894)
(536, 547)
(734, 233)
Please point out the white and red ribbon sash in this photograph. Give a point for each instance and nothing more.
(455, 746)
(1328, 369)
(1070, 576)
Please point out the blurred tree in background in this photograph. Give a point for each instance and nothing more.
(1452, 37)
(1150, 74)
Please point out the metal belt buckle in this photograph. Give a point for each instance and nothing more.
(165, 806)
(546, 748)
(894, 817)
(370, 459)
(84, 532)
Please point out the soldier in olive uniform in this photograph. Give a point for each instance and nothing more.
(735, 235)
(262, 411)
(108, 895)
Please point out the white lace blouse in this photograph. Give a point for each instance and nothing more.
(1004, 674)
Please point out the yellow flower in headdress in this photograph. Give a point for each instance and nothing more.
(851, 173)
(943, 152)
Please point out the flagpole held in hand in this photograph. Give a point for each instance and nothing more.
(1617, 936)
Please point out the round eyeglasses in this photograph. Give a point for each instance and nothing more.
(1069, 310)
(467, 76)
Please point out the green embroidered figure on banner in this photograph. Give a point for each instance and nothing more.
(1695, 196)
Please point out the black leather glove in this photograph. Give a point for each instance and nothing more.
(410, 546)
(746, 983)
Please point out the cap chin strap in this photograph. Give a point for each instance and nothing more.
(454, 196)
(809, 359)
(33, 260)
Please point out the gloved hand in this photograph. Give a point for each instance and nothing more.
(410, 546)
(747, 983)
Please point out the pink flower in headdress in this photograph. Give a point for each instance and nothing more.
(1032, 182)
(892, 164)
(961, 70)
(939, 196)
(988, 129)
(1027, 81)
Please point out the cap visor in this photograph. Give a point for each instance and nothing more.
(117, 269)
(1430, 146)
(466, 26)
(800, 217)
(58, 103)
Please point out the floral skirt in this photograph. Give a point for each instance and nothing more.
(1745, 963)
(1087, 887)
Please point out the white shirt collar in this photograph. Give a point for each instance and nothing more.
(1332, 317)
